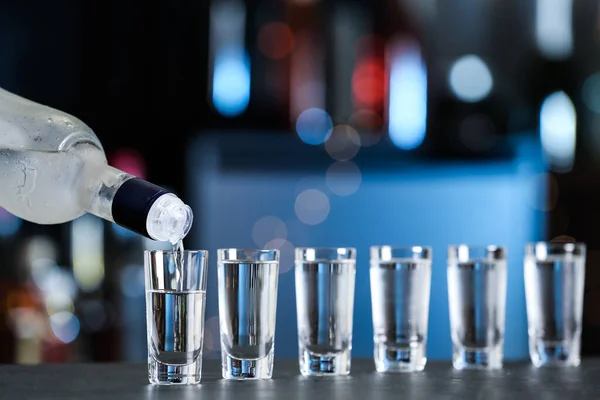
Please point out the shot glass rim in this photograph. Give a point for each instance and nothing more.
(248, 251)
(326, 248)
(549, 243)
(530, 247)
(203, 252)
(488, 247)
(428, 249)
(477, 246)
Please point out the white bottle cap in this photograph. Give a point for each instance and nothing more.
(169, 219)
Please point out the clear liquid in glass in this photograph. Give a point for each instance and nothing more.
(554, 290)
(325, 306)
(400, 292)
(247, 302)
(477, 301)
(175, 333)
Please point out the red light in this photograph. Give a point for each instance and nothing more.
(369, 82)
(276, 40)
(130, 161)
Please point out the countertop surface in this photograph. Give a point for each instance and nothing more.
(439, 381)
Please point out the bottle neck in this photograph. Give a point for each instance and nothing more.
(131, 202)
(151, 211)
(99, 186)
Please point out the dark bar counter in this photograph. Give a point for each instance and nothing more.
(439, 381)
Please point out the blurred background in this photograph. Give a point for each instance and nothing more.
(290, 123)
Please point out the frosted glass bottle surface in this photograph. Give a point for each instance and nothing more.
(53, 169)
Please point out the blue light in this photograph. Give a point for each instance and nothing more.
(408, 100)
(590, 91)
(558, 126)
(470, 79)
(65, 326)
(9, 224)
(314, 126)
(231, 82)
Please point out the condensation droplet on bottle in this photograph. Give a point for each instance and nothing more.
(49, 120)
(68, 124)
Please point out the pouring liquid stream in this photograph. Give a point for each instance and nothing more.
(179, 262)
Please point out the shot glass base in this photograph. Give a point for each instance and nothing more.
(484, 358)
(313, 364)
(408, 358)
(165, 374)
(554, 354)
(239, 369)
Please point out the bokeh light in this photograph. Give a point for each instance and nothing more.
(65, 326)
(369, 125)
(27, 323)
(276, 40)
(343, 144)
(470, 78)
(312, 207)
(314, 126)
(343, 178)
(286, 253)
(231, 82)
(554, 28)
(558, 123)
(268, 228)
(58, 301)
(130, 161)
(40, 247)
(87, 252)
(590, 92)
(50, 278)
(369, 82)
(407, 108)
(477, 132)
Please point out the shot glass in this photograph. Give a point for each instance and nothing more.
(247, 281)
(477, 302)
(325, 305)
(175, 302)
(554, 284)
(400, 287)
